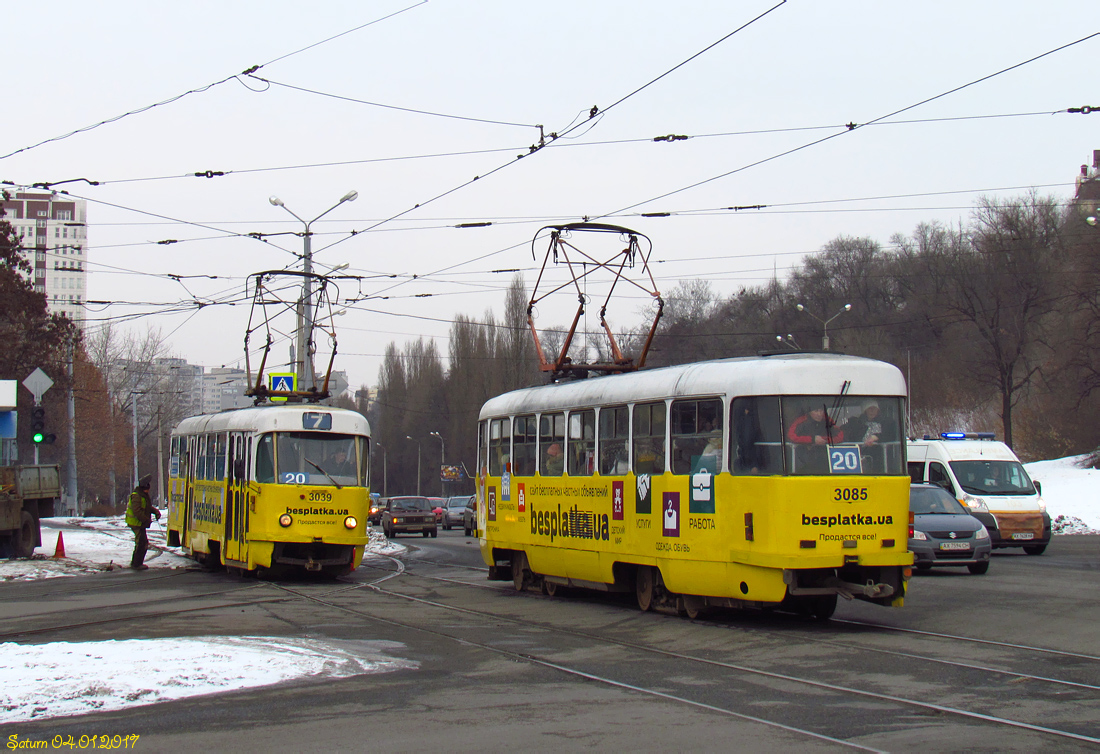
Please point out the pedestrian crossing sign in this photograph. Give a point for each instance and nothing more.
(281, 383)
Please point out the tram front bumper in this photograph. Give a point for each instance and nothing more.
(836, 585)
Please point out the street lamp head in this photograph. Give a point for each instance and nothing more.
(847, 307)
(275, 201)
(434, 434)
(800, 307)
(407, 437)
(351, 196)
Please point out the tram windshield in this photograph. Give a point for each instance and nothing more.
(817, 435)
(316, 458)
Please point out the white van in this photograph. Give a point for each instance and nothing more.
(988, 478)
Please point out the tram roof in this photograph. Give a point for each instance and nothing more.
(779, 374)
(272, 419)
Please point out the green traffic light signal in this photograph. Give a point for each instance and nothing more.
(38, 437)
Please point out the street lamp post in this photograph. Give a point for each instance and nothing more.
(383, 447)
(824, 322)
(417, 463)
(442, 462)
(304, 340)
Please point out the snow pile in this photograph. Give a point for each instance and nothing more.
(73, 678)
(1069, 491)
(104, 544)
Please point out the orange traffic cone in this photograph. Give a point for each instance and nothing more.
(59, 551)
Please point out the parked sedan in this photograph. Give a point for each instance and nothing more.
(453, 511)
(944, 533)
(408, 515)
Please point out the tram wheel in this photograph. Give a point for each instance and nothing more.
(549, 588)
(519, 571)
(644, 586)
(694, 606)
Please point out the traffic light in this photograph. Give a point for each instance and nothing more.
(38, 425)
(39, 435)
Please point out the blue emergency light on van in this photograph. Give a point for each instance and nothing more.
(968, 435)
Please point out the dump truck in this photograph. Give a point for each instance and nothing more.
(27, 494)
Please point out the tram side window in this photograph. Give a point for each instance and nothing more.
(219, 443)
(756, 436)
(499, 436)
(649, 438)
(174, 459)
(200, 456)
(524, 435)
(364, 463)
(582, 442)
(614, 433)
(552, 444)
(265, 460)
(481, 467)
(696, 436)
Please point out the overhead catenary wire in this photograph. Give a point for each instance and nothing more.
(207, 87)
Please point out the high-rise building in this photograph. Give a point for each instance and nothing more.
(55, 235)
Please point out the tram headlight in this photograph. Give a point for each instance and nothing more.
(350, 522)
(285, 520)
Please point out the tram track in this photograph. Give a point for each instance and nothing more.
(140, 615)
(969, 714)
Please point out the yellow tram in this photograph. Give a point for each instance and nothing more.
(280, 485)
(771, 481)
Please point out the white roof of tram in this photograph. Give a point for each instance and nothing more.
(273, 419)
(779, 374)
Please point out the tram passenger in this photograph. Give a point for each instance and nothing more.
(341, 465)
(139, 515)
(811, 433)
(555, 461)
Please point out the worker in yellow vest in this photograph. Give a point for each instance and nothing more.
(139, 515)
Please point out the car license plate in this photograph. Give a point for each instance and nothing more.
(414, 528)
(954, 545)
(1023, 535)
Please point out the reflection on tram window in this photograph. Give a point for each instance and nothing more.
(552, 444)
(757, 444)
(614, 433)
(318, 458)
(524, 436)
(696, 435)
(648, 438)
(870, 424)
(500, 435)
(582, 442)
(265, 460)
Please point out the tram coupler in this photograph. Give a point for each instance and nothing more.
(836, 585)
(312, 565)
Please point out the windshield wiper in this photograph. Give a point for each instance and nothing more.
(334, 482)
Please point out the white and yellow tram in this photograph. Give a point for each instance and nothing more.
(766, 481)
(283, 485)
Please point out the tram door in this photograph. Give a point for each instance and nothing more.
(188, 488)
(236, 499)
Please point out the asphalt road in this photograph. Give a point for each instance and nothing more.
(1008, 661)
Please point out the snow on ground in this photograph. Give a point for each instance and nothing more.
(41, 681)
(1069, 491)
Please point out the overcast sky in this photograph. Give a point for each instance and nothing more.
(787, 80)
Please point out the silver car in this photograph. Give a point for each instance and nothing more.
(453, 510)
(944, 532)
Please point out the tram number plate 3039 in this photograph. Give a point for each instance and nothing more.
(954, 545)
(1023, 535)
